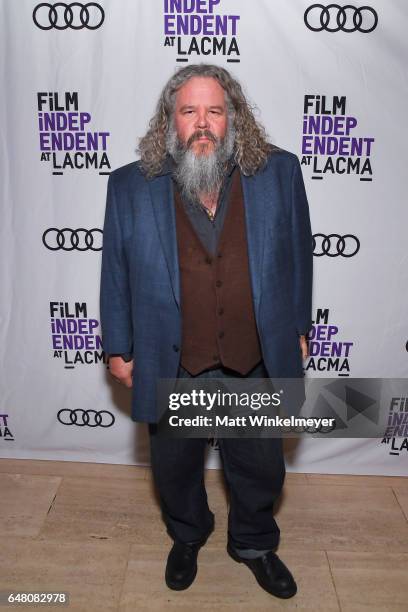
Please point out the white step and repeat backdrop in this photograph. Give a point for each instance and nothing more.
(79, 83)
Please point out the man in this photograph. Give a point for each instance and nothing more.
(207, 272)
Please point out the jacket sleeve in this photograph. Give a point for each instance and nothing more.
(115, 296)
(302, 249)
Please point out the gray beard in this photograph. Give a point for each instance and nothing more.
(199, 174)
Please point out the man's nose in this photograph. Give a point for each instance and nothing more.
(202, 121)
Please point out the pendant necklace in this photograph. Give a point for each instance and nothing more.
(209, 212)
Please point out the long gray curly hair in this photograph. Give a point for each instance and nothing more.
(251, 147)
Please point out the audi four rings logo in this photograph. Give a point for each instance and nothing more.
(334, 18)
(334, 245)
(91, 418)
(62, 16)
(68, 239)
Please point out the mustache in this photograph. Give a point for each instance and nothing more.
(199, 134)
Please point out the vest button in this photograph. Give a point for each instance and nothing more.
(219, 255)
(221, 334)
(218, 283)
(220, 311)
(176, 348)
(208, 260)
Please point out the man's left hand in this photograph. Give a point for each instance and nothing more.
(303, 347)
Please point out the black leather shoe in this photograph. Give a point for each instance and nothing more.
(181, 568)
(270, 572)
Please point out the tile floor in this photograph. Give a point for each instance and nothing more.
(94, 530)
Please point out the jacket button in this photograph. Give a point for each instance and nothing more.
(220, 311)
(208, 260)
(219, 255)
(176, 348)
(218, 283)
(216, 358)
(221, 334)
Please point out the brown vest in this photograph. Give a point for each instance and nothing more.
(218, 321)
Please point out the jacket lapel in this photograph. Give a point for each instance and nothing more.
(254, 202)
(162, 198)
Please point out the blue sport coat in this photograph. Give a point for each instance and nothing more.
(140, 279)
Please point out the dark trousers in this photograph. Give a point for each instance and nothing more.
(254, 471)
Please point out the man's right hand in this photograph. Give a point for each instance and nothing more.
(121, 370)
